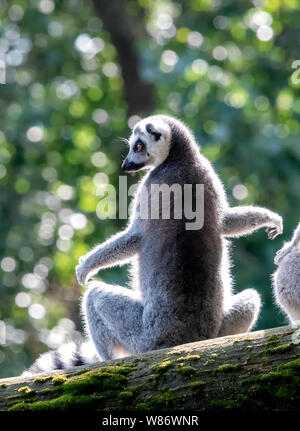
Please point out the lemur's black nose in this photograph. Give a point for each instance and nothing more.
(128, 166)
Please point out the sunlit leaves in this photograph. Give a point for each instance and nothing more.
(84, 137)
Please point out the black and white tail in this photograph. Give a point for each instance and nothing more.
(68, 355)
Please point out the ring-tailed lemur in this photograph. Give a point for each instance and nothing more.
(286, 279)
(181, 285)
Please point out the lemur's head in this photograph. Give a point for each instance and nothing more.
(149, 144)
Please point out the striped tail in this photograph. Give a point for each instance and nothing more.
(68, 355)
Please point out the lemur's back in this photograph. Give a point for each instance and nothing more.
(180, 268)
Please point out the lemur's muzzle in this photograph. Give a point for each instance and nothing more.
(128, 166)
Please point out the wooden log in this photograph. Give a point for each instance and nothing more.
(252, 371)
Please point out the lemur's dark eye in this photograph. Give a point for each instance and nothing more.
(150, 129)
(139, 146)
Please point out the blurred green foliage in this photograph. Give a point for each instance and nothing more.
(225, 68)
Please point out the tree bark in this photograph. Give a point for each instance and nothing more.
(253, 371)
(124, 30)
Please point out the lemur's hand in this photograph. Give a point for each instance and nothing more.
(82, 259)
(82, 270)
(81, 274)
(276, 228)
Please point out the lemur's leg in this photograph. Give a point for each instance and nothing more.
(243, 220)
(118, 249)
(113, 317)
(242, 314)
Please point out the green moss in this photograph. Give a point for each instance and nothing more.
(162, 366)
(279, 349)
(290, 371)
(273, 339)
(84, 390)
(133, 388)
(228, 368)
(257, 357)
(197, 384)
(193, 357)
(107, 378)
(41, 379)
(188, 358)
(283, 383)
(240, 340)
(186, 370)
(177, 352)
(25, 390)
(225, 404)
(149, 386)
(124, 395)
(59, 380)
(142, 407)
(18, 406)
(165, 400)
(64, 402)
(285, 391)
(292, 365)
(3, 385)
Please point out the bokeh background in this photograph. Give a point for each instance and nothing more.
(78, 76)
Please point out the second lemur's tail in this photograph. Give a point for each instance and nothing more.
(68, 355)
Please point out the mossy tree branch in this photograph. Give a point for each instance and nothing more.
(254, 371)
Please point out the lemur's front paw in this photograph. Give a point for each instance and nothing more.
(82, 259)
(81, 273)
(276, 229)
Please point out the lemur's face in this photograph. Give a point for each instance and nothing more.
(149, 144)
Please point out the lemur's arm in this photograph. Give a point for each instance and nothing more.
(243, 220)
(116, 250)
(289, 246)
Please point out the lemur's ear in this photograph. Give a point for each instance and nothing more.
(151, 129)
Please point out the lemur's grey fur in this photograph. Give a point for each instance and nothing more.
(181, 284)
(286, 279)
